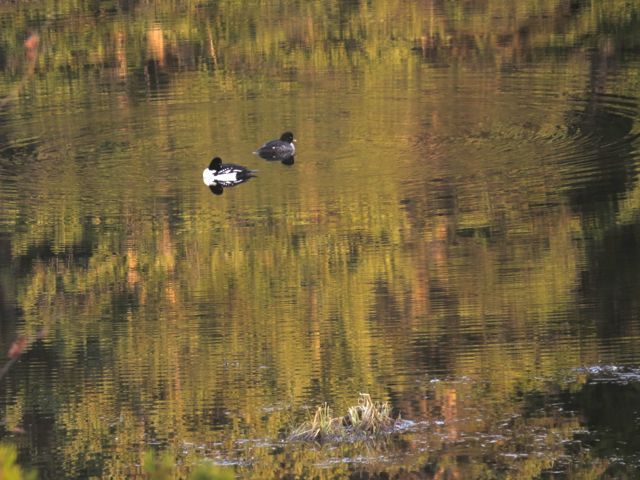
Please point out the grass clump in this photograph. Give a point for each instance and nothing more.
(367, 418)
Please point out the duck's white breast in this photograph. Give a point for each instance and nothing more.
(208, 176)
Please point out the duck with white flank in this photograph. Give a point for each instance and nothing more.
(283, 149)
(221, 175)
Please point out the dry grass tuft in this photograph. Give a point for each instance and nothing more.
(365, 419)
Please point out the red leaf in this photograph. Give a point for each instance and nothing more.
(17, 347)
(31, 43)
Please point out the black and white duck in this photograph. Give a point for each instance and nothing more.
(218, 175)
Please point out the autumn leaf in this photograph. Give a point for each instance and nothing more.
(17, 347)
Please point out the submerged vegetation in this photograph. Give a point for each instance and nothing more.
(367, 418)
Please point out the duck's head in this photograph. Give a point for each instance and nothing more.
(287, 137)
(209, 173)
(216, 189)
(216, 163)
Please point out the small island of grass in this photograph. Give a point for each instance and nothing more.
(367, 418)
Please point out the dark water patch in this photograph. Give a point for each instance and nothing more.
(18, 152)
(611, 275)
(607, 405)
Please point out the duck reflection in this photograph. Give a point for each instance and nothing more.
(218, 176)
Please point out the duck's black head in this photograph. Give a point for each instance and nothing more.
(216, 189)
(215, 164)
(287, 137)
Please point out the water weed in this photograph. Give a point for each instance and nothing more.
(367, 418)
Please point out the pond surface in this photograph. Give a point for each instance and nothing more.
(459, 236)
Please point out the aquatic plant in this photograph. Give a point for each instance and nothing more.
(367, 418)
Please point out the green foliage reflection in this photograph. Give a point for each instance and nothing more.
(174, 320)
(9, 468)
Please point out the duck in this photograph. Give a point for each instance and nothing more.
(283, 149)
(219, 175)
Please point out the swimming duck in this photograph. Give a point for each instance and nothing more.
(283, 149)
(219, 175)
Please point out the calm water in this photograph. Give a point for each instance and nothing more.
(459, 236)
